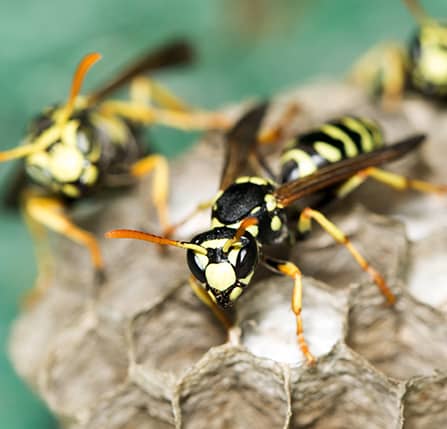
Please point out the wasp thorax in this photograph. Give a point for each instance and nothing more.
(225, 272)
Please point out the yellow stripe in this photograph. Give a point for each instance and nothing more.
(303, 160)
(327, 151)
(336, 133)
(357, 126)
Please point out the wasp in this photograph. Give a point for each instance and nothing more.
(90, 143)
(251, 212)
(388, 70)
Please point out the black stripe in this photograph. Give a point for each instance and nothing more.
(353, 135)
(320, 136)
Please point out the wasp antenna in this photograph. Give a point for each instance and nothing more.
(245, 224)
(418, 12)
(84, 66)
(41, 143)
(145, 236)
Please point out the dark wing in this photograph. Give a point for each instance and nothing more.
(339, 171)
(241, 143)
(16, 181)
(175, 53)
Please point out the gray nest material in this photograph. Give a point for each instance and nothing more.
(143, 352)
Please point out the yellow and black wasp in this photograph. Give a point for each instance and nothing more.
(251, 212)
(90, 143)
(388, 70)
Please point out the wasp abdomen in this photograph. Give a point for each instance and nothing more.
(334, 141)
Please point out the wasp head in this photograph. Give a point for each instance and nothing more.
(228, 265)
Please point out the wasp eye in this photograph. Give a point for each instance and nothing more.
(246, 259)
(197, 264)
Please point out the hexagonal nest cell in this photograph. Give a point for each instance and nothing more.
(143, 351)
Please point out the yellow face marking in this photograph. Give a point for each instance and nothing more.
(201, 260)
(270, 202)
(220, 276)
(214, 244)
(303, 160)
(275, 223)
(235, 293)
(66, 163)
(232, 256)
(337, 133)
(328, 152)
(90, 175)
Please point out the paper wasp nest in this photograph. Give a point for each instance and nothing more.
(143, 352)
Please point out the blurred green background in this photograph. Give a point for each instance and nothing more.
(245, 47)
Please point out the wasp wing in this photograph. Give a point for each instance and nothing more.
(175, 53)
(337, 172)
(241, 143)
(16, 182)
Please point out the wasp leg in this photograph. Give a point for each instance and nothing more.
(291, 270)
(169, 231)
(144, 90)
(194, 120)
(160, 183)
(49, 212)
(402, 183)
(233, 333)
(277, 132)
(304, 225)
(382, 72)
(43, 258)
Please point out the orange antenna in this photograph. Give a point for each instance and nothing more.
(78, 78)
(42, 142)
(417, 11)
(145, 236)
(245, 224)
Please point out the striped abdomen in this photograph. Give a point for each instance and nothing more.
(339, 139)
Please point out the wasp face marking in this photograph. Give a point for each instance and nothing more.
(225, 274)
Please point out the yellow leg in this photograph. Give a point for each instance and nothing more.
(196, 120)
(277, 133)
(291, 270)
(206, 299)
(144, 90)
(382, 69)
(43, 259)
(396, 181)
(308, 214)
(402, 183)
(160, 183)
(49, 212)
